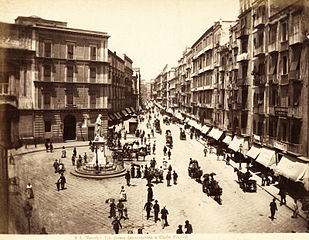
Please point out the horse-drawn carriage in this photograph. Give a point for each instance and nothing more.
(195, 171)
(211, 187)
(245, 183)
(169, 139)
(182, 134)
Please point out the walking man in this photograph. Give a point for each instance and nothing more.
(168, 178)
(154, 148)
(127, 176)
(164, 214)
(120, 208)
(164, 150)
(150, 194)
(116, 225)
(169, 154)
(282, 194)
(175, 177)
(156, 209)
(205, 151)
(112, 209)
(55, 165)
(273, 209)
(147, 207)
(62, 181)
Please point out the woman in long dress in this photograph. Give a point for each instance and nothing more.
(29, 191)
(123, 195)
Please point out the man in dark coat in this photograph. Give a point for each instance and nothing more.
(116, 225)
(132, 171)
(169, 154)
(179, 230)
(128, 177)
(120, 208)
(188, 227)
(55, 165)
(156, 209)
(273, 209)
(62, 181)
(175, 177)
(168, 178)
(164, 214)
(150, 194)
(147, 207)
(164, 150)
(112, 210)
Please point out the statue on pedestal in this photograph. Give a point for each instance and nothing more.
(98, 127)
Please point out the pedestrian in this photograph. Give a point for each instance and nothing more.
(164, 150)
(56, 165)
(154, 148)
(170, 168)
(123, 194)
(152, 132)
(125, 213)
(61, 168)
(147, 207)
(169, 154)
(46, 145)
(120, 208)
(175, 177)
(150, 194)
(85, 158)
(205, 151)
(51, 147)
(62, 181)
(273, 209)
(295, 209)
(116, 225)
(73, 160)
(168, 178)
(58, 185)
(179, 230)
(188, 227)
(132, 171)
(263, 179)
(74, 152)
(63, 152)
(156, 210)
(79, 161)
(127, 177)
(164, 214)
(29, 191)
(112, 209)
(138, 172)
(282, 194)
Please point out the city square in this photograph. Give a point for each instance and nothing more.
(95, 140)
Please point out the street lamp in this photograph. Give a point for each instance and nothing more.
(28, 213)
(240, 150)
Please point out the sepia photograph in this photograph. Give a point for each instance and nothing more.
(158, 117)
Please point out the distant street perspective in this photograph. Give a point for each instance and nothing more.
(217, 142)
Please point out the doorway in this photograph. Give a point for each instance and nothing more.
(69, 132)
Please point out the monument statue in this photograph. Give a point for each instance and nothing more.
(98, 126)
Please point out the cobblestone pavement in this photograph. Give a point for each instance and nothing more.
(81, 208)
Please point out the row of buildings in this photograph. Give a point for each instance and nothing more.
(55, 80)
(248, 78)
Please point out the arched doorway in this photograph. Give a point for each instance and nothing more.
(69, 132)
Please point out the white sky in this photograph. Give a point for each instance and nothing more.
(151, 32)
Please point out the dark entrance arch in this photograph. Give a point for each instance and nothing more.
(69, 132)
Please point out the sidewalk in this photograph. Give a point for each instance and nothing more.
(271, 190)
(41, 147)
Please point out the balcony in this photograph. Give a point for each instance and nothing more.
(259, 80)
(234, 44)
(243, 32)
(294, 75)
(259, 50)
(242, 57)
(272, 78)
(273, 47)
(296, 38)
(281, 111)
(258, 109)
(6, 95)
(284, 46)
(259, 22)
(284, 80)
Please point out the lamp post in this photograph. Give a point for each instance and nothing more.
(28, 213)
(240, 150)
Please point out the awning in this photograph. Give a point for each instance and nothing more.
(205, 129)
(267, 157)
(291, 169)
(227, 140)
(235, 143)
(117, 115)
(199, 126)
(125, 113)
(179, 116)
(254, 152)
(170, 111)
(218, 134)
(129, 110)
(111, 116)
(132, 109)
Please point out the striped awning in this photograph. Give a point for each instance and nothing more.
(132, 109)
(129, 110)
(125, 113)
(117, 115)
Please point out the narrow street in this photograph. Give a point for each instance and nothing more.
(83, 201)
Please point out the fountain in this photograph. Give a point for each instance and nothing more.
(100, 166)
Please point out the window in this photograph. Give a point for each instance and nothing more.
(47, 72)
(69, 73)
(244, 45)
(295, 131)
(273, 96)
(25, 81)
(295, 63)
(284, 65)
(47, 49)
(296, 93)
(70, 52)
(272, 127)
(284, 32)
(92, 100)
(69, 95)
(47, 100)
(284, 130)
(272, 33)
(296, 24)
(93, 53)
(47, 125)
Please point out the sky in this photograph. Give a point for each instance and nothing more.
(152, 33)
